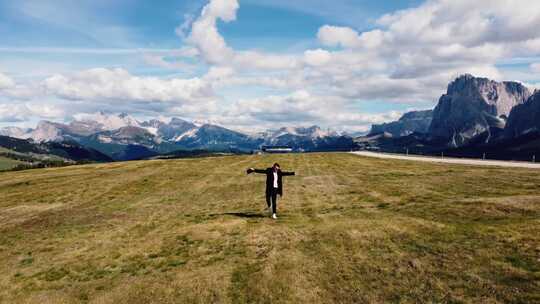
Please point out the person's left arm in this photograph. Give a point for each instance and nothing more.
(285, 173)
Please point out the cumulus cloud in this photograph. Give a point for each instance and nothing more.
(120, 85)
(300, 108)
(42, 110)
(20, 112)
(418, 50)
(470, 23)
(213, 48)
(338, 36)
(205, 35)
(467, 23)
(409, 57)
(317, 57)
(13, 90)
(13, 113)
(348, 38)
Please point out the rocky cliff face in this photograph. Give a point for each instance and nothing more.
(47, 131)
(524, 118)
(474, 107)
(411, 122)
(14, 132)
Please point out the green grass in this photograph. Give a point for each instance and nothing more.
(350, 230)
(7, 163)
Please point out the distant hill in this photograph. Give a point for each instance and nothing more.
(48, 153)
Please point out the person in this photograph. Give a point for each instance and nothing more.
(274, 185)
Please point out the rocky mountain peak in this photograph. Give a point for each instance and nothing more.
(14, 132)
(179, 122)
(417, 115)
(153, 123)
(500, 97)
(47, 131)
(524, 118)
(475, 106)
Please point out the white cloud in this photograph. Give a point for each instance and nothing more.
(317, 57)
(120, 85)
(219, 73)
(45, 110)
(535, 67)
(13, 113)
(409, 57)
(415, 52)
(213, 48)
(205, 35)
(338, 36)
(19, 112)
(257, 60)
(348, 38)
(470, 23)
(300, 108)
(12, 90)
(6, 82)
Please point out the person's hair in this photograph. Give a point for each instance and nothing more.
(276, 165)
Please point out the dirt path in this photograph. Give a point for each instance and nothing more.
(461, 161)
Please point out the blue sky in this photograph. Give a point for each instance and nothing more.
(147, 24)
(248, 64)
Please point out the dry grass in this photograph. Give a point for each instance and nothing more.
(351, 230)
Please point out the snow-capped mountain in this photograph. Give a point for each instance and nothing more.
(124, 135)
(47, 131)
(14, 132)
(210, 136)
(174, 131)
(296, 136)
(104, 122)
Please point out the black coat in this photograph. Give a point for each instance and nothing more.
(270, 179)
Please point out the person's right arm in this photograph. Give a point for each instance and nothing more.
(251, 170)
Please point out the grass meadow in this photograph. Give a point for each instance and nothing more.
(350, 230)
(7, 163)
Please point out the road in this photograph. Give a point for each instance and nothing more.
(460, 161)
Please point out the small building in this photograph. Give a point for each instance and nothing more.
(276, 149)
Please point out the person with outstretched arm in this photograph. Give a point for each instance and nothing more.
(274, 185)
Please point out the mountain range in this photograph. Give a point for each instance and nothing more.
(411, 122)
(474, 117)
(122, 137)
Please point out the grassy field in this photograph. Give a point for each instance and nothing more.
(7, 163)
(350, 230)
